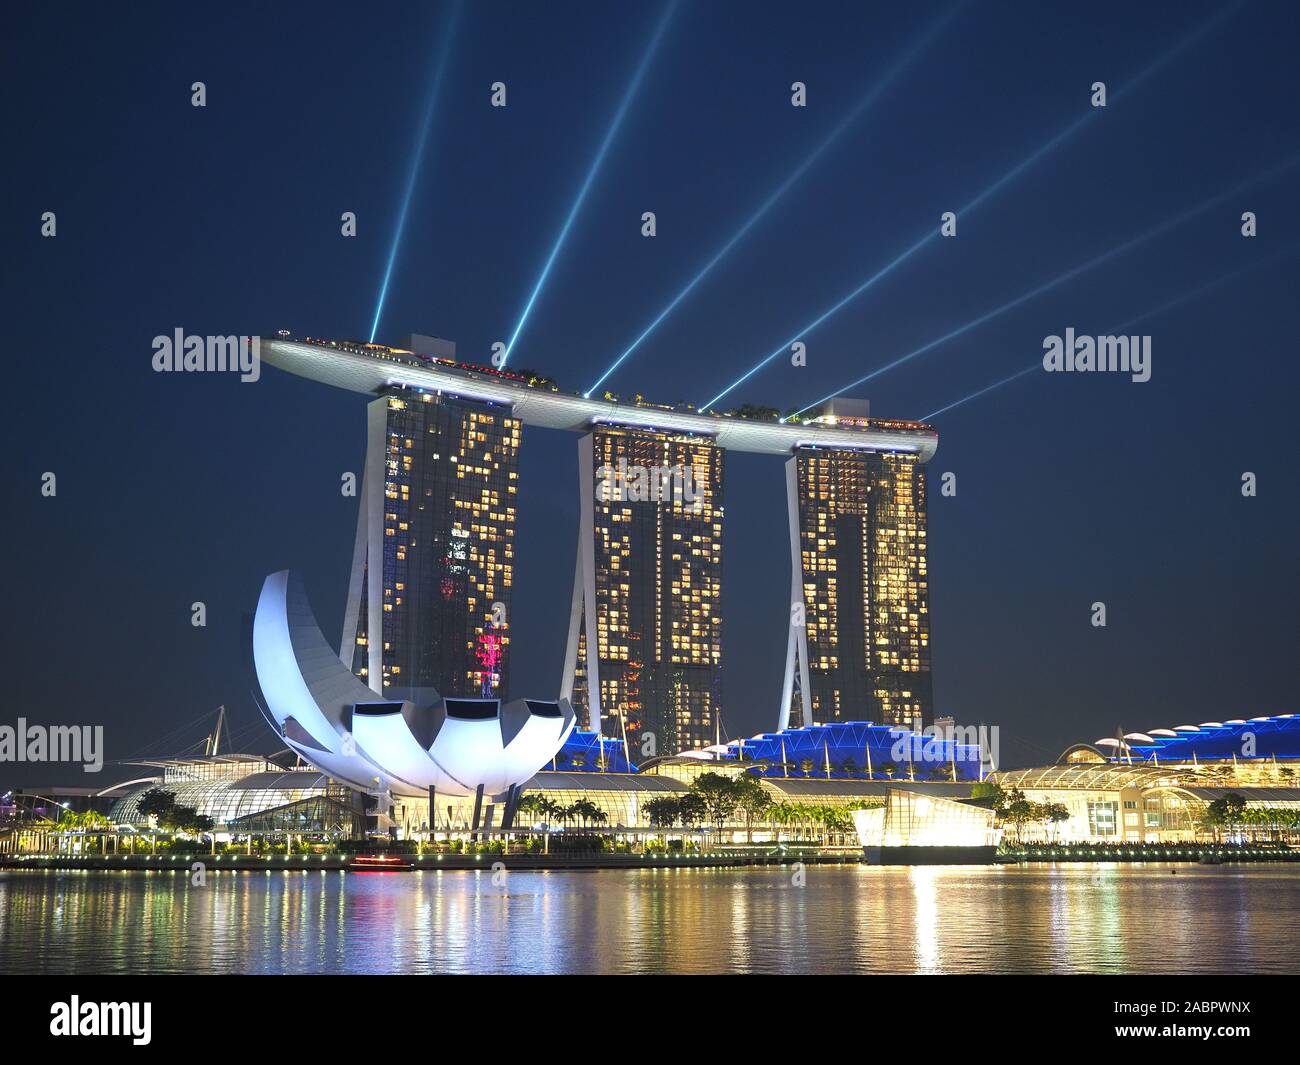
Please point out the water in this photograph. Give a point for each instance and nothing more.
(845, 919)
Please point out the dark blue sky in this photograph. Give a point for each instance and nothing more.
(1071, 489)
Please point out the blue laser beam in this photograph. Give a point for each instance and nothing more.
(1164, 59)
(791, 179)
(434, 91)
(988, 388)
(1168, 305)
(610, 134)
(1010, 175)
(1069, 275)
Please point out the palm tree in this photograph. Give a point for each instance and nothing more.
(782, 814)
(94, 821)
(534, 805)
(69, 821)
(585, 810)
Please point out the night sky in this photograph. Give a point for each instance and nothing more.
(1071, 488)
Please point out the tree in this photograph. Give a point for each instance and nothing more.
(989, 789)
(178, 817)
(1053, 814)
(1018, 810)
(691, 810)
(92, 821)
(837, 819)
(586, 811)
(157, 803)
(531, 804)
(781, 814)
(753, 799)
(68, 823)
(1224, 812)
(755, 412)
(663, 811)
(719, 794)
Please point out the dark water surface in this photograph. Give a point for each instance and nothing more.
(1036, 918)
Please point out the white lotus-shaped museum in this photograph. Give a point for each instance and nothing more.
(405, 744)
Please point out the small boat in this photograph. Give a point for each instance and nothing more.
(379, 863)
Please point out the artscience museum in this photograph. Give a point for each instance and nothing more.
(413, 743)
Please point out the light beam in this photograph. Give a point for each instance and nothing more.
(614, 125)
(443, 52)
(1070, 274)
(988, 388)
(791, 179)
(1168, 305)
(1024, 164)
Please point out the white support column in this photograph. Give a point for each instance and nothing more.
(352, 609)
(575, 619)
(787, 685)
(797, 644)
(587, 565)
(376, 473)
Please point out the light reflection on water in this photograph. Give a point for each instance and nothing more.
(1036, 918)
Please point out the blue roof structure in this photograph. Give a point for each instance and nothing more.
(855, 750)
(581, 753)
(1254, 739)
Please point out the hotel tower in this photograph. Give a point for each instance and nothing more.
(647, 589)
(429, 598)
(859, 639)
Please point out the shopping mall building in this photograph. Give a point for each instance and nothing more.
(1156, 786)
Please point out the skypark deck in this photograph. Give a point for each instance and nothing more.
(369, 368)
